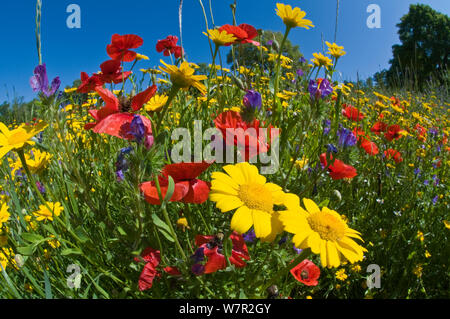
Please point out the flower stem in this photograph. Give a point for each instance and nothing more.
(277, 73)
(173, 92)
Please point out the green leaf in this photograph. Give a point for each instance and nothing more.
(159, 223)
(79, 231)
(48, 287)
(26, 250)
(32, 238)
(71, 251)
(324, 203)
(121, 231)
(170, 190)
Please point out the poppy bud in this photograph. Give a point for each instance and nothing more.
(238, 82)
(337, 195)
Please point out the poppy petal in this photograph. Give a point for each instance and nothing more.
(143, 97)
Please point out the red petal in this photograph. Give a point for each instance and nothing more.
(173, 271)
(198, 192)
(147, 276)
(202, 239)
(111, 102)
(215, 261)
(239, 250)
(152, 256)
(251, 31)
(185, 171)
(151, 193)
(143, 97)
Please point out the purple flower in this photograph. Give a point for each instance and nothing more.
(269, 43)
(435, 199)
(282, 240)
(346, 137)
(198, 269)
(252, 99)
(417, 172)
(297, 250)
(302, 60)
(426, 182)
(331, 148)
(249, 236)
(198, 256)
(122, 163)
(40, 187)
(137, 128)
(320, 88)
(300, 72)
(326, 127)
(39, 82)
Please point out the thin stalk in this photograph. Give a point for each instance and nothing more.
(277, 72)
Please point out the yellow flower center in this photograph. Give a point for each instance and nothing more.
(327, 226)
(256, 196)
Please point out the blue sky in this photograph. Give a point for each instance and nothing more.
(67, 52)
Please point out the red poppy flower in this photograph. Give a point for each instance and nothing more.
(306, 272)
(212, 249)
(120, 46)
(188, 189)
(352, 113)
(421, 132)
(152, 258)
(169, 46)
(235, 131)
(89, 84)
(112, 72)
(114, 118)
(379, 127)
(393, 154)
(393, 132)
(338, 170)
(370, 147)
(244, 33)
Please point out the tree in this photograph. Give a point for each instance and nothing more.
(425, 47)
(247, 55)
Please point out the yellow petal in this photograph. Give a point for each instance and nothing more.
(242, 220)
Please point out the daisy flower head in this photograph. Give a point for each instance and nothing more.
(335, 50)
(244, 189)
(19, 137)
(321, 60)
(184, 77)
(293, 17)
(220, 37)
(322, 230)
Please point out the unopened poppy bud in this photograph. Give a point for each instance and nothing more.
(238, 82)
(275, 45)
(337, 195)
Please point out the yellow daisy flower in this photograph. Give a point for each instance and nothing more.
(184, 77)
(4, 215)
(293, 17)
(45, 214)
(245, 190)
(323, 231)
(19, 137)
(156, 103)
(220, 37)
(321, 60)
(335, 50)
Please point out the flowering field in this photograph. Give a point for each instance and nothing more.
(272, 181)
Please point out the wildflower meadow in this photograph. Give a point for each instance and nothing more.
(267, 176)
